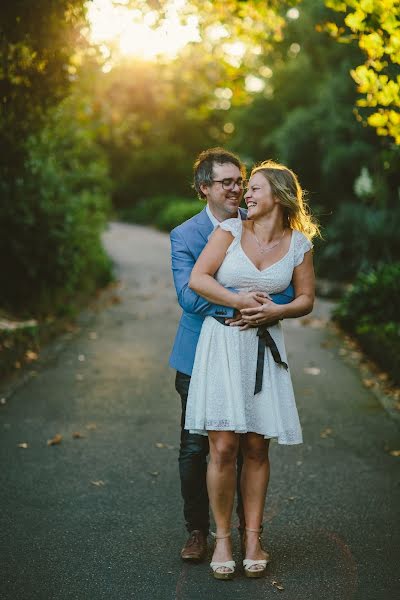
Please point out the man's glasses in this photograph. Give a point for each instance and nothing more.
(229, 183)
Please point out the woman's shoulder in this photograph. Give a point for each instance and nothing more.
(300, 237)
(234, 226)
(301, 245)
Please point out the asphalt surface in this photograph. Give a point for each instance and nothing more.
(100, 516)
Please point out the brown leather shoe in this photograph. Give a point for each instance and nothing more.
(195, 547)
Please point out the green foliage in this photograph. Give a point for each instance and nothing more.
(370, 310)
(178, 212)
(152, 128)
(163, 212)
(157, 116)
(357, 237)
(40, 48)
(375, 24)
(372, 299)
(305, 118)
(51, 220)
(149, 210)
(53, 179)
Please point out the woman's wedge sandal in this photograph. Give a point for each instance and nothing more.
(255, 568)
(228, 564)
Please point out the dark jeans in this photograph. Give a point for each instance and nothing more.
(193, 468)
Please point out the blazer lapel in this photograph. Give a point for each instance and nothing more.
(204, 225)
(243, 214)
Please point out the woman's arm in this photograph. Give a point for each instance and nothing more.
(304, 286)
(182, 263)
(202, 278)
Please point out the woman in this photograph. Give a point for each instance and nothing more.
(240, 390)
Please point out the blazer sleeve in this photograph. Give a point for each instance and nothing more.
(182, 264)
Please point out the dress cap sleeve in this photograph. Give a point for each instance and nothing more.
(301, 245)
(232, 225)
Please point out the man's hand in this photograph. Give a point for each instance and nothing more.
(237, 321)
(266, 313)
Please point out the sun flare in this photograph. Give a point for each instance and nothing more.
(132, 33)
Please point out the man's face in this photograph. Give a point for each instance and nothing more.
(224, 203)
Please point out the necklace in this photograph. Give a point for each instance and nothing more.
(263, 249)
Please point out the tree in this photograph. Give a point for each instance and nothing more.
(158, 115)
(375, 26)
(53, 180)
(304, 117)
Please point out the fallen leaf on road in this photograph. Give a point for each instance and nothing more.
(81, 358)
(162, 445)
(115, 300)
(30, 355)
(23, 445)
(98, 483)
(368, 383)
(154, 473)
(93, 335)
(91, 426)
(312, 370)
(55, 440)
(77, 435)
(394, 452)
(326, 344)
(3, 401)
(342, 352)
(278, 585)
(292, 498)
(17, 364)
(313, 323)
(72, 328)
(79, 377)
(326, 432)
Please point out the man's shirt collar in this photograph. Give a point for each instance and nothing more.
(213, 220)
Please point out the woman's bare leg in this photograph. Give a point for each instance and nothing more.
(254, 482)
(221, 483)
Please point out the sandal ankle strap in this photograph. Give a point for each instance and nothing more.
(254, 530)
(220, 537)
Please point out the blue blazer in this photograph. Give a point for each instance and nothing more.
(187, 243)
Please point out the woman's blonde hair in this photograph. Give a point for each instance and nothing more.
(286, 188)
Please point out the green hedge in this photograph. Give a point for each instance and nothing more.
(178, 212)
(51, 219)
(164, 212)
(370, 310)
(356, 238)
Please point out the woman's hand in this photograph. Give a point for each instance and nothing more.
(266, 313)
(249, 300)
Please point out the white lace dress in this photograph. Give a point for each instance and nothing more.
(221, 393)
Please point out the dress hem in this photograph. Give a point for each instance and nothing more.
(242, 432)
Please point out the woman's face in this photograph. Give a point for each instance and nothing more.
(258, 197)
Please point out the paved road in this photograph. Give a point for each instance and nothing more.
(99, 517)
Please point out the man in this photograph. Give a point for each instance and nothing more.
(219, 179)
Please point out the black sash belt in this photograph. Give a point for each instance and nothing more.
(265, 340)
